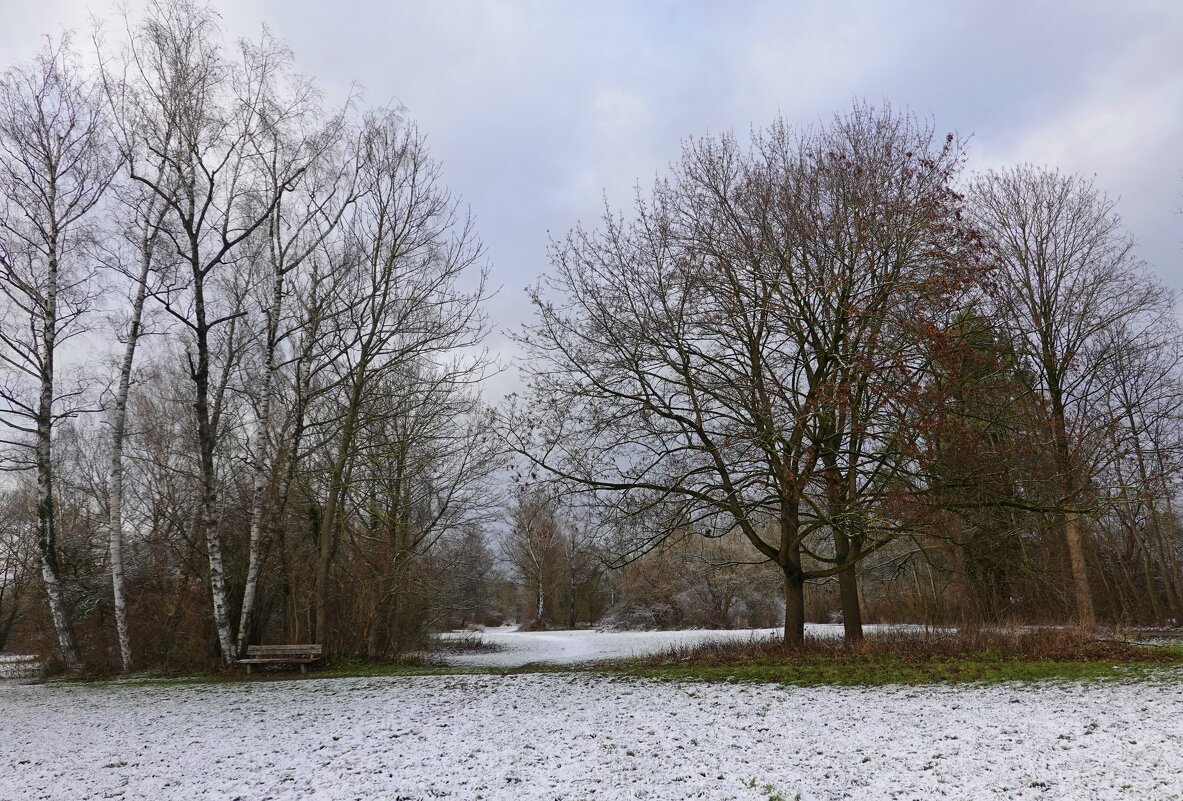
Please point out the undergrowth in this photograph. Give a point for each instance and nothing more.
(908, 658)
(894, 657)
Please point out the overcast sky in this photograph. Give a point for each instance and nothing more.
(539, 108)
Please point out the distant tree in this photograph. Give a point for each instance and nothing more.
(534, 545)
(1067, 279)
(468, 594)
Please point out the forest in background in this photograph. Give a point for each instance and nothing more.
(820, 373)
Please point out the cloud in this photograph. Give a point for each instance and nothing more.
(537, 109)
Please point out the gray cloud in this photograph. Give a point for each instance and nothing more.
(538, 109)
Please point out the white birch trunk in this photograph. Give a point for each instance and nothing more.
(46, 517)
(217, 578)
(71, 658)
(259, 494)
(115, 499)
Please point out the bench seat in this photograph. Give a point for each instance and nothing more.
(302, 655)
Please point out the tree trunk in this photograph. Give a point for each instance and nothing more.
(1080, 581)
(1072, 537)
(846, 551)
(794, 607)
(118, 433)
(46, 517)
(207, 442)
(259, 494)
(571, 611)
(852, 617)
(115, 542)
(71, 658)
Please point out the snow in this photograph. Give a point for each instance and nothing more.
(589, 736)
(515, 648)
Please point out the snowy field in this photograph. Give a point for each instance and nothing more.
(516, 648)
(586, 736)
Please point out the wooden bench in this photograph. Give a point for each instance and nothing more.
(302, 655)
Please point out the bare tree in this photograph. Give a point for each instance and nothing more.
(1067, 278)
(743, 354)
(134, 257)
(193, 123)
(143, 215)
(421, 477)
(410, 295)
(317, 295)
(534, 544)
(54, 166)
(1143, 411)
(293, 139)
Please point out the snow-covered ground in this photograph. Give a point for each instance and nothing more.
(587, 736)
(515, 648)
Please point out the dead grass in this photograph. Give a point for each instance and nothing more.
(468, 643)
(909, 657)
(1055, 644)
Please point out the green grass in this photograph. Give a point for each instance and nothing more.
(907, 658)
(340, 669)
(878, 671)
(914, 658)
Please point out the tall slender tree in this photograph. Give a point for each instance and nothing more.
(1067, 278)
(55, 163)
(410, 295)
(193, 120)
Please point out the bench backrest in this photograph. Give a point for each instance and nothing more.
(280, 651)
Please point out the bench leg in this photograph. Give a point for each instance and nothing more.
(248, 670)
(302, 666)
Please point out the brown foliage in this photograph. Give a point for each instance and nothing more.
(1026, 644)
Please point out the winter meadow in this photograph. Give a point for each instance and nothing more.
(657, 437)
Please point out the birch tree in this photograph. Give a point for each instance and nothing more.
(134, 262)
(293, 138)
(55, 164)
(197, 115)
(534, 544)
(133, 257)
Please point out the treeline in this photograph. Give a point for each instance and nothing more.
(922, 394)
(822, 374)
(240, 351)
